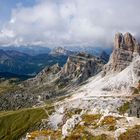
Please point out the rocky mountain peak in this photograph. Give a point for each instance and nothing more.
(129, 42)
(126, 42)
(126, 48)
(61, 51)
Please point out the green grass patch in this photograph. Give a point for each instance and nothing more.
(79, 133)
(14, 124)
(54, 135)
(82, 134)
(8, 86)
(91, 119)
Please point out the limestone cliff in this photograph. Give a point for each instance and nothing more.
(81, 67)
(126, 48)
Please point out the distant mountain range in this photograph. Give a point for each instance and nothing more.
(30, 50)
(24, 64)
(96, 51)
(32, 59)
(35, 50)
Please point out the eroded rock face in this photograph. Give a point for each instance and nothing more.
(46, 75)
(81, 67)
(77, 69)
(126, 48)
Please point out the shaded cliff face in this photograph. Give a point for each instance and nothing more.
(81, 67)
(126, 48)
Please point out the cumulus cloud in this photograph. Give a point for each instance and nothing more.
(71, 22)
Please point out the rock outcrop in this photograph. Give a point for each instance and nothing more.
(77, 69)
(135, 107)
(126, 48)
(81, 67)
(61, 51)
(47, 75)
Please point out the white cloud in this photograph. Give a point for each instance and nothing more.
(67, 22)
(7, 33)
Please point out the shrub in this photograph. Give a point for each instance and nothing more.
(136, 91)
(124, 108)
(90, 118)
(112, 128)
(131, 134)
(109, 120)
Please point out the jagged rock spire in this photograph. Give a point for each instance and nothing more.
(125, 49)
(126, 42)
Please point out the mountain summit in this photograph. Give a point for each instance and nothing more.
(126, 42)
(126, 49)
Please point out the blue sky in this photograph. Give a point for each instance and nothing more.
(6, 7)
(67, 22)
